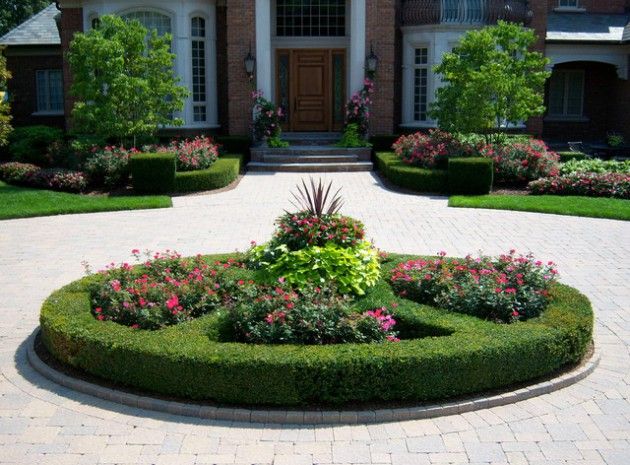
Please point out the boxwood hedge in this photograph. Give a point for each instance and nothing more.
(411, 177)
(441, 355)
(220, 174)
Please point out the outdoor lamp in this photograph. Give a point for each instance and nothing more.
(371, 61)
(250, 64)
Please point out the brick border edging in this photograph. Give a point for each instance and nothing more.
(307, 417)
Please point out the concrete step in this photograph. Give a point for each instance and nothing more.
(311, 167)
(310, 158)
(261, 153)
(311, 138)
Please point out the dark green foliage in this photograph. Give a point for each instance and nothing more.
(153, 173)
(470, 176)
(30, 144)
(220, 174)
(235, 144)
(383, 142)
(15, 12)
(442, 354)
(568, 156)
(411, 177)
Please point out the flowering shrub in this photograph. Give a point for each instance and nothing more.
(314, 315)
(16, 172)
(507, 288)
(196, 154)
(47, 178)
(522, 161)
(595, 165)
(430, 150)
(358, 108)
(109, 166)
(586, 184)
(165, 290)
(267, 120)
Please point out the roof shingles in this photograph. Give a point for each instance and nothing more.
(588, 27)
(39, 29)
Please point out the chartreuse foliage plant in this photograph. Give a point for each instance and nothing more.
(123, 80)
(491, 78)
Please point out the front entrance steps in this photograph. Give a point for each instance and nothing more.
(310, 152)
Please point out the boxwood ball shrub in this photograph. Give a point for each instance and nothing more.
(153, 173)
(411, 177)
(440, 354)
(220, 174)
(470, 175)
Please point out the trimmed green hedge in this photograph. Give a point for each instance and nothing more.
(411, 177)
(220, 174)
(153, 173)
(383, 142)
(442, 354)
(470, 176)
(568, 156)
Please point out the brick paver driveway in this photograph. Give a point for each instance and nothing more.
(42, 423)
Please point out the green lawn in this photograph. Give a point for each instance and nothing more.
(594, 207)
(24, 202)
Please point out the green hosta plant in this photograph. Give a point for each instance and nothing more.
(595, 165)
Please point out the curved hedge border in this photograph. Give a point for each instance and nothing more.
(411, 177)
(188, 360)
(220, 174)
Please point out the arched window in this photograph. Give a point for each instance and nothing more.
(199, 94)
(151, 20)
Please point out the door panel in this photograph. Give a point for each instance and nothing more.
(311, 90)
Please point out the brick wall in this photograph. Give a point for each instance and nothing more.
(381, 31)
(539, 9)
(222, 63)
(23, 89)
(71, 22)
(620, 105)
(240, 34)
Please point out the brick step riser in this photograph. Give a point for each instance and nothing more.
(260, 154)
(310, 167)
(310, 158)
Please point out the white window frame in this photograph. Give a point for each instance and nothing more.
(565, 73)
(428, 67)
(572, 6)
(45, 93)
(203, 39)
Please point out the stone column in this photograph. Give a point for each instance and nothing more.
(356, 66)
(264, 74)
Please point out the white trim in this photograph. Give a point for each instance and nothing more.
(356, 65)
(569, 9)
(264, 71)
(612, 54)
(48, 113)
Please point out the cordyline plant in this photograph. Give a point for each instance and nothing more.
(316, 200)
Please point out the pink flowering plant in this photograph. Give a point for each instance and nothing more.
(615, 185)
(193, 154)
(15, 172)
(430, 150)
(313, 315)
(358, 108)
(507, 288)
(267, 120)
(109, 166)
(46, 178)
(522, 161)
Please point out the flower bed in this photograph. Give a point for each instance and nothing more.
(441, 354)
(48, 178)
(615, 185)
(595, 165)
(192, 155)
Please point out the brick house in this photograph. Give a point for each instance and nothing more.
(310, 56)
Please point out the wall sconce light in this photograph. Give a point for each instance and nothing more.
(371, 62)
(250, 64)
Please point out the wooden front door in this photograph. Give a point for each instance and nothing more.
(310, 90)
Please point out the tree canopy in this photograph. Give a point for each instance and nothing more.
(124, 80)
(492, 78)
(15, 12)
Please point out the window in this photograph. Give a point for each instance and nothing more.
(198, 34)
(311, 18)
(152, 20)
(49, 91)
(566, 93)
(420, 84)
(568, 3)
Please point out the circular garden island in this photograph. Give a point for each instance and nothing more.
(318, 316)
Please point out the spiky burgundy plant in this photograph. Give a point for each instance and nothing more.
(316, 198)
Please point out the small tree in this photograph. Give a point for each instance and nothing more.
(123, 80)
(491, 78)
(5, 116)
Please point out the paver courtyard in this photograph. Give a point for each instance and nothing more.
(42, 423)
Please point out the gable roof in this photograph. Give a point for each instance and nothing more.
(587, 27)
(39, 29)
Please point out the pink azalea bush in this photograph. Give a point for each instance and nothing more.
(193, 154)
(358, 108)
(522, 161)
(586, 184)
(47, 178)
(314, 315)
(17, 173)
(268, 119)
(109, 166)
(506, 288)
(430, 150)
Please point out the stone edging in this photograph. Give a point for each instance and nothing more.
(308, 417)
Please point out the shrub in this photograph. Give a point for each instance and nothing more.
(196, 154)
(109, 167)
(470, 176)
(30, 144)
(220, 174)
(411, 177)
(351, 269)
(586, 184)
(351, 138)
(595, 165)
(430, 150)
(314, 315)
(507, 288)
(17, 173)
(568, 156)
(153, 173)
(522, 161)
(444, 354)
